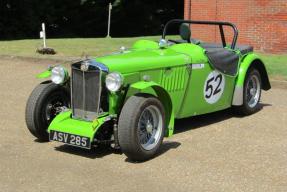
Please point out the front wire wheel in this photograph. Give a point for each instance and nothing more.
(141, 127)
(150, 127)
(45, 102)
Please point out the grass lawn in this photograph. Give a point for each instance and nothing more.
(69, 49)
(276, 65)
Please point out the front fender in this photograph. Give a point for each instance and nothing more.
(45, 74)
(65, 124)
(164, 97)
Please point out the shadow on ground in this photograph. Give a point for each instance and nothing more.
(186, 124)
(181, 125)
(97, 152)
(166, 146)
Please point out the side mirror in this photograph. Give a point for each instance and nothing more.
(163, 44)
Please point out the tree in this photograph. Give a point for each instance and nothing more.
(85, 18)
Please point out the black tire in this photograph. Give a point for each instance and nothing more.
(128, 129)
(246, 109)
(39, 112)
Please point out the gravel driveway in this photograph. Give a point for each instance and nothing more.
(216, 152)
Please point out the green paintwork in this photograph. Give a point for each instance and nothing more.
(143, 60)
(194, 102)
(244, 66)
(194, 52)
(45, 74)
(167, 68)
(145, 44)
(171, 74)
(158, 91)
(64, 123)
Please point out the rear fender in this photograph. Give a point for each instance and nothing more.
(162, 95)
(250, 61)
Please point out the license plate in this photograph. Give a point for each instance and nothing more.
(70, 139)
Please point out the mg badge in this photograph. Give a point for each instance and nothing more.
(85, 66)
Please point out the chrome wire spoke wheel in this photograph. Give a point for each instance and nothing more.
(253, 91)
(141, 127)
(150, 127)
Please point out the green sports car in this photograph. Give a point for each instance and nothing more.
(130, 99)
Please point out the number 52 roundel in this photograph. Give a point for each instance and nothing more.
(213, 87)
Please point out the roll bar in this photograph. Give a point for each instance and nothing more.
(219, 23)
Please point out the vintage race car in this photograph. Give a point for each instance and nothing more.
(130, 99)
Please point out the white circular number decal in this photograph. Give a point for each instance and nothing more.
(213, 87)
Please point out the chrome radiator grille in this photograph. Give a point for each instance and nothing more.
(85, 92)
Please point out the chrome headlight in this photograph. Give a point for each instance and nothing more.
(114, 81)
(58, 75)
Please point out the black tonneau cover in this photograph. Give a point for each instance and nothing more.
(224, 60)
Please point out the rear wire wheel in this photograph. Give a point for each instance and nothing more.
(251, 93)
(141, 127)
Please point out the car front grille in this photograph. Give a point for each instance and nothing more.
(86, 92)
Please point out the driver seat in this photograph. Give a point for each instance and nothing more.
(185, 34)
